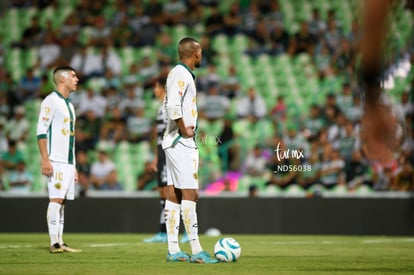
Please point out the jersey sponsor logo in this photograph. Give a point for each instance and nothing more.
(58, 186)
(181, 84)
(45, 119)
(65, 132)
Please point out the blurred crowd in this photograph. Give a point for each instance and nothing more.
(241, 138)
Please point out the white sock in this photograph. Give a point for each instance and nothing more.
(53, 217)
(172, 220)
(61, 223)
(188, 211)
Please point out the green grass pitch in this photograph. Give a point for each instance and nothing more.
(261, 254)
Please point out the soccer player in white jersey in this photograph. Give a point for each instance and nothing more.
(182, 154)
(56, 141)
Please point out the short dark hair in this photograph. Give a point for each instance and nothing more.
(186, 47)
(61, 69)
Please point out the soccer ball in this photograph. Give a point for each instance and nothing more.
(227, 250)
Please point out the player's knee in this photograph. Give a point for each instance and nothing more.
(190, 195)
(60, 201)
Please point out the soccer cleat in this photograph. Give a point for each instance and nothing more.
(184, 238)
(178, 257)
(56, 248)
(66, 248)
(203, 258)
(160, 237)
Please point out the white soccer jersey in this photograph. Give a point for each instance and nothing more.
(57, 123)
(181, 102)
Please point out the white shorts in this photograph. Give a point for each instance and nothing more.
(62, 184)
(182, 166)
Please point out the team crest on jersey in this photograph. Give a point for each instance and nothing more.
(58, 186)
(66, 119)
(47, 110)
(65, 132)
(193, 113)
(181, 84)
(195, 175)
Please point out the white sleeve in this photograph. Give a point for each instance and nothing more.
(47, 112)
(176, 86)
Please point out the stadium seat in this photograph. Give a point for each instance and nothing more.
(272, 190)
(262, 131)
(198, 30)
(25, 17)
(147, 51)
(363, 190)
(32, 108)
(84, 35)
(127, 177)
(223, 64)
(39, 183)
(239, 43)
(15, 63)
(246, 181)
(294, 77)
(31, 57)
(219, 43)
(294, 190)
(49, 14)
(92, 156)
(178, 32)
(122, 150)
(151, 107)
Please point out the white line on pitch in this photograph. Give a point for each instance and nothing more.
(106, 244)
(14, 246)
(373, 241)
(294, 242)
(96, 245)
(113, 244)
(329, 242)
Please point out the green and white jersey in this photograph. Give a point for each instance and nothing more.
(57, 123)
(181, 102)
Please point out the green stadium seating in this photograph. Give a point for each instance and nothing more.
(294, 77)
(178, 32)
(239, 43)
